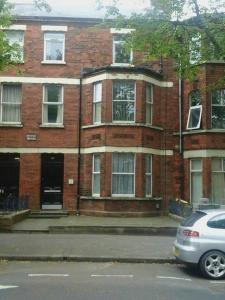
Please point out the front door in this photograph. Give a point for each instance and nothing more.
(9, 176)
(52, 166)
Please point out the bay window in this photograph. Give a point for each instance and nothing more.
(96, 164)
(195, 110)
(218, 180)
(196, 180)
(218, 109)
(97, 102)
(149, 103)
(148, 175)
(123, 174)
(123, 100)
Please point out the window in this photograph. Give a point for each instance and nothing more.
(121, 55)
(54, 47)
(218, 180)
(218, 109)
(96, 175)
(53, 104)
(194, 98)
(195, 110)
(194, 117)
(11, 100)
(217, 222)
(97, 99)
(196, 180)
(149, 103)
(148, 175)
(123, 172)
(16, 39)
(123, 100)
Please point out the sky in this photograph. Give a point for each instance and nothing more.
(88, 8)
(85, 8)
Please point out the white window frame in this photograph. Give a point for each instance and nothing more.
(222, 170)
(216, 105)
(46, 103)
(134, 101)
(5, 103)
(121, 42)
(192, 108)
(96, 173)
(149, 102)
(194, 171)
(96, 101)
(148, 174)
(20, 44)
(45, 60)
(117, 173)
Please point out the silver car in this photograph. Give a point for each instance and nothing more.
(200, 240)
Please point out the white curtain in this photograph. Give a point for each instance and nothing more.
(96, 175)
(11, 103)
(54, 46)
(196, 187)
(123, 174)
(218, 188)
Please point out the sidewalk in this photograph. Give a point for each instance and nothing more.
(86, 247)
(106, 225)
(94, 239)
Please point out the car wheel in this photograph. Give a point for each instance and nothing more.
(212, 264)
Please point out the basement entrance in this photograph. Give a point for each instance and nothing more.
(52, 166)
(9, 175)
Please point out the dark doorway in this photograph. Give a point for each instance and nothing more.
(9, 175)
(52, 166)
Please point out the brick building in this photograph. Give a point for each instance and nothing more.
(88, 127)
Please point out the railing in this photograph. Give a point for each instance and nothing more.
(13, 203)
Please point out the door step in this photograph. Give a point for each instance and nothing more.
(48, 214)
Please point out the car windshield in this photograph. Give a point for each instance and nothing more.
(190, 221)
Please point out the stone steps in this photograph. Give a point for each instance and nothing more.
(48, 214)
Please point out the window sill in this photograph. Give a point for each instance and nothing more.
(19, 125)
(122, 65)
(122, 124)
(121, 198)
(53, 62)
(51, 126)
(201, 131)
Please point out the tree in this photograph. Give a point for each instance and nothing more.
(178, 29)
(9, 53)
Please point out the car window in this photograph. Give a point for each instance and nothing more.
(190, 221)
(217, 222)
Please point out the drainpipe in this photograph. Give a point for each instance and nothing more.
(79, 146)
(180, 115)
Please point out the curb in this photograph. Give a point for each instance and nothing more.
(153, 260)
(117, 230)
(112, 230)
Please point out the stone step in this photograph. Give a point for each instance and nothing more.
(48, 214)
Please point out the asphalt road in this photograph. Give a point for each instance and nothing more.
(101, 281)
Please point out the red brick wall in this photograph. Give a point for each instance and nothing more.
(30, 178)
(70, 190)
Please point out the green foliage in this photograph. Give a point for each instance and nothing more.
(176, 29)
(10, 53)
